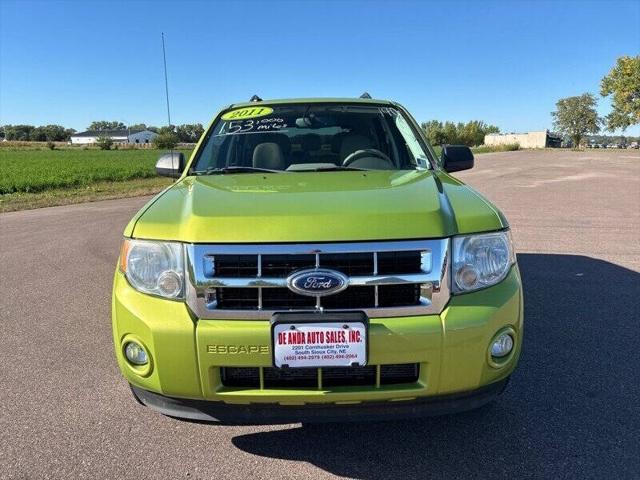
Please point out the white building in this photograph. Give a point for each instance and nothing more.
(541, 139)
(118, 136)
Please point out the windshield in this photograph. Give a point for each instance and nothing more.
(312, 137)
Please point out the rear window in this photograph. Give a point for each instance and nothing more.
(309, 137)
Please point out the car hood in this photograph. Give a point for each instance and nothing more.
(315, 207)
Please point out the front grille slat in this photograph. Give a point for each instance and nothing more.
(400, 373)
(390, 263)
(399, 295)
(290, 377)
(348, 377)
(353, 297)
(243, 266)
(285, 298)
(240, 377)
(237, 298)
(284, 265)
(249, 377)
(351, 264)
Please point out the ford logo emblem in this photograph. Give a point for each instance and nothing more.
(317, 282)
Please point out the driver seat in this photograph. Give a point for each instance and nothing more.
(353, 142)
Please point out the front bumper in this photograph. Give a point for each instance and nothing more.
(205, 411)
(186, 354)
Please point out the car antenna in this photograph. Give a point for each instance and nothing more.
(255, 98)
(166, 91)
(366, 95)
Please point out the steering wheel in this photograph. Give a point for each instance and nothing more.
(368, 153)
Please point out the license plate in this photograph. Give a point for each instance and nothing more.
(328, 342)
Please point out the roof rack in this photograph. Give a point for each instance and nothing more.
(366, 95)
(255, 98)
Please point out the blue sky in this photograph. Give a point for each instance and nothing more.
(503, 62)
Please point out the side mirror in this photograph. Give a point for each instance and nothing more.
(170, 164)
(456, 158)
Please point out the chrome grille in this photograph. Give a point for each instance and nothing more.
(385, 279)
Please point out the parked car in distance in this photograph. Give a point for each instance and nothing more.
(316, 261)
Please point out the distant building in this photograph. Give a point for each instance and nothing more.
(543, 139)
(118, 136)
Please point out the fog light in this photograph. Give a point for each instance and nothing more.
(136, 354)
(502, 345)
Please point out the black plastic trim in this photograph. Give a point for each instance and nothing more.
(269, 414)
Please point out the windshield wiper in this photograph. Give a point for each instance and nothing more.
(234, 169)
(336, 168)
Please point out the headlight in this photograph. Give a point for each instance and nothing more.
(481, 260)
(154, 267)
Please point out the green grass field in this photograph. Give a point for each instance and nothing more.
(33, 171)
(32, 176)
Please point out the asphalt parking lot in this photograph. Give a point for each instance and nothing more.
(572, 409)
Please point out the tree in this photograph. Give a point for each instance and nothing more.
(104, 142)
(138, 126)
(471, 133)
(102, 125)
(38, 134)
(576, 117)
(43, 133)
(48, 133)
(166, 139)
(167, 129)
(451, 133)
(189, 133)
(18, 132)
(434, 131)
(623, 83)
(68, 132)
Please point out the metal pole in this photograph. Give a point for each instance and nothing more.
(166, 82)
(166, 91)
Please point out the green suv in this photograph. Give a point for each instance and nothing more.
(315, 261)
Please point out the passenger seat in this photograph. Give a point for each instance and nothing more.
(268, 155)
